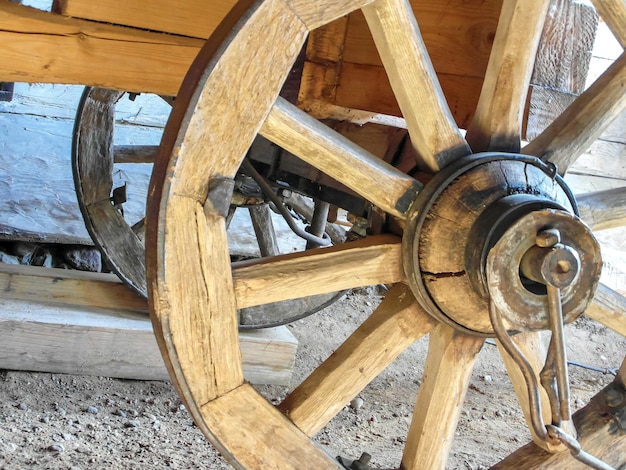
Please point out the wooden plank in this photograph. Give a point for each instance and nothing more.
(398, 322)
(49, 48)
(318, 145)
(186, 18)
(68, 288)
(111, 342)
(598, 426)
(371, 261)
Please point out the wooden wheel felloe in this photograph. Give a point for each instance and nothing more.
(230, 95)
(97, 157)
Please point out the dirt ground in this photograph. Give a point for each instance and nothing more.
(52, 421)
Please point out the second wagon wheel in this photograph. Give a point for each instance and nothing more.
(99, 161)
(492, 245)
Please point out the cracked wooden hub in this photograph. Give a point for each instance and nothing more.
(459, 216)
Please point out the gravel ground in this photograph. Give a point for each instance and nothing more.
(51, 421)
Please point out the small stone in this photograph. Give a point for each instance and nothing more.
(120, 413)
(23, 406)
(8, 447)
(83, 258)
(8, 259)
(499, 414)
(68, 437)
(61, 411)
(92, 409)
(133, 423)
(58, 448)
(45, 419)
(356, 403)
(488, 378)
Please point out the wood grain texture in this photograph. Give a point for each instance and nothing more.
(598, 434)
(196, 318)
(571, 134)
(613, 12)
(189, 18)
(603, 209)
(497, 123)
(433, 131)
(608, 308)
(451, 357)
(330, 152)
(258, 437)
(49, 48)
(135, 153)
(397, 323)
(264, 230)
(217, 94)
(109, 341)
(374, 260)
(70, 288)
(323, 12)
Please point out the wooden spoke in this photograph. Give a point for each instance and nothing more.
(272, 442)
(374, 260)
(261, 217)
(451, 357)
(608, 308)
(603, 209)
(497, 124)
(613, 12)
(135, 153)
(330, 152)
(531, 347)
(433, 132)
(398, 322)
(584, 120)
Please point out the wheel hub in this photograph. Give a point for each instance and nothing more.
(497, 201)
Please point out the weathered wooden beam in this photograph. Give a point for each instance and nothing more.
(75, 322)
(109, 343)
(601, 432)
(51, 48)
(185, 17)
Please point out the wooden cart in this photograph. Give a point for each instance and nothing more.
(476, 234)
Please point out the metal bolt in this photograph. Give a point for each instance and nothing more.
(563, 266)
(548, 238)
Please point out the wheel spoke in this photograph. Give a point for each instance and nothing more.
(374, 260)
(602, 210)
(398, 322)
(531, 347)
(338, 157)
(608, 308)
(451, 357)
(613, 12)
(584, 120)
(135, 153)
(433, 132)
(261, 217)
(497, 124)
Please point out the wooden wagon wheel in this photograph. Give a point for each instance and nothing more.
(439, 268)
(94, 159)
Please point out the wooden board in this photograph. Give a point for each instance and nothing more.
(90, 324)
(185, 17)
(45, 47)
